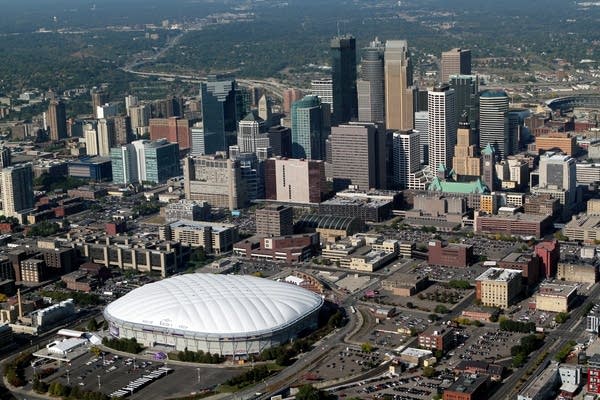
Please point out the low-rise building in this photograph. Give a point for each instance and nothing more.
(583, 228)
(592, 321)
(413, 356)
(437, 337)
(468, 387)
(450, 254)
(187, 210)
(575, 270)
(528, 263)
(495, 371)
(555, 297)
(215, 238)
(291, 248)
(405, 285)
(543, 385)
(329, 228)
(517, 224)
(499, 287)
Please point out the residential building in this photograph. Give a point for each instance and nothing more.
(57, 120)
(499, 287)
(527, 263)
(406, 150)
(17, 189)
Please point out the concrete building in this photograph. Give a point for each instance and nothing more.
(555, 297)
(216, 180)
(543, 385)
(517, 224)
(145, 161)
(449, 254)
(553, 141)
(174, 130)
(593, 320)
(251, 134)
(275, 220)
(291, 248)
(593, 207)
(498, 287)
(289, 97)
(557, 177)
(466, 160)
(57, 120)
(527, 263)
(215, 238)
(187, 210)
(280, 141)
(323, 89)
(399, 90)
(406, 285)
(106, 136)
(358, 155)
(442, 127)
(294, 180)
(575, 270)
(422, 126)
(455, 62)
(17, 189)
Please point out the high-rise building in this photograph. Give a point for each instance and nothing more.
(466, 88)
(107, 110)
(275, 220)
(130, 101)
(90, 136)
(145, 161)
(343, 74)
(4, 157)
(466, 161)
(17, 189)
(219, 112)
(140, 117)
(323, 89)
(422, 126)
(488, 167)
(295, 181)
(455, 62)
(371, 86)
(106, 136)
(358, 156)
(493, 121)
(406, 161)
(442, 127)
(216, 180)
(123, 134)
(99, 98)
(251, 134)
(558, 178)
(264, 109)
(310, 128)
(399, 92)
(197, 134)
(252, 172)
(166, 108)
(280, 141)
(174, 129)
(57, 120)
(517, 132)
(289, 97)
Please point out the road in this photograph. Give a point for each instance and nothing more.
(554, 341)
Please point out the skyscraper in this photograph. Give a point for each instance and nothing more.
(123, 134)
(399, 93)
(57, 120)
(251, 134)
(5, 160)
(174, 129)
(455, 62)
(90, 136)
(264, 109)
(17, 189)
(442, 127)
(130, 101)
(406, 148)
(493, 121)
(219, 112)
(466, 161)
(289, 97)
(358, 156)
(422, 127)
(99, 98)
(323, 89)
(310, 128)
(466, 88)
(488, 167)
(343, 74)
(371, 86)
(106, 136)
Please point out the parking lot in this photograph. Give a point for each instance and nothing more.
(344, 363)
(110, 373)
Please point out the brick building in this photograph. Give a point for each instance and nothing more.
(450, 255)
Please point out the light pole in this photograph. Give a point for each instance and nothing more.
(68, 377)
(198, 371)
(99, 385)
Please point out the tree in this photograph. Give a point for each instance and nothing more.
(441, 309)
(92, 326)
(308, 392)
(366, 347)
(561, 317)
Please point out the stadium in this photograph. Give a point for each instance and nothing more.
(224, 314)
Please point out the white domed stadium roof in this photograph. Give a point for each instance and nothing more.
(222, 305)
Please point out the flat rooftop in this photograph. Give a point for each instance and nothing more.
(499, 275)
(556, 289)
(197, 225)
(546, 377)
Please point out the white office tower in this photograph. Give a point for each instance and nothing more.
(421, 126)
(90, 135)
(493, 121)
(107, 136)
(441, 102)
(405, 157)
(323, 89)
